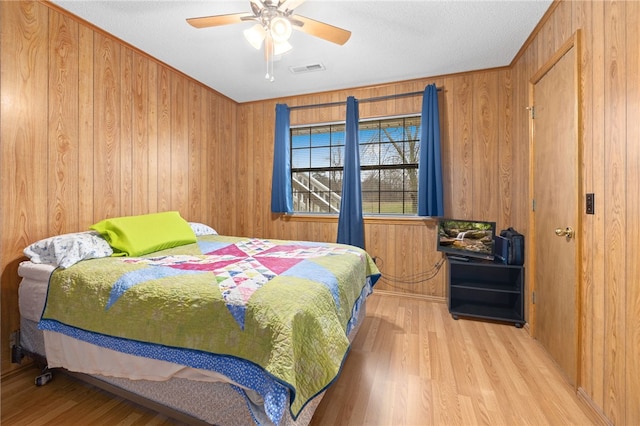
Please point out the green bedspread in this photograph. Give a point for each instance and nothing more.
(282, 305)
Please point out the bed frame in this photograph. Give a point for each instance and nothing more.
(189, 398)
(187, 401)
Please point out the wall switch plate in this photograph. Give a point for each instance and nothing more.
(591, 203)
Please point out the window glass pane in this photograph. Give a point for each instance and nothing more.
(370, 202)
(392, 130)
(369, 133)
(370, 180)
(321, 136)
(411, 203)
(320, 157)
(391, 202)
(321, 200)
(369, 155)
(391, 153)
(391, 180)
(337, 134)
(411, 180)
(412, 152)
(337, 156)
(300, 181)
(335, 202)
(300, 201)
(335, 181)
(319, 181)
(412, 128)
(300, 158)
(300, 138)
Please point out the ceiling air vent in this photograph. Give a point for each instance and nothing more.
(307, 68)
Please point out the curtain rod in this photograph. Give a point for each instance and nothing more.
(378, 98)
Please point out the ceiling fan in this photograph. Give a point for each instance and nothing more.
(275, 22)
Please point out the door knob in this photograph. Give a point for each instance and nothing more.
(567, 232)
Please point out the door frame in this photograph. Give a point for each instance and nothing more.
(574, 42)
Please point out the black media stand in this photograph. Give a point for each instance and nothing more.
(486, 290)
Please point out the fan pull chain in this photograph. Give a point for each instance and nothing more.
(269, 48)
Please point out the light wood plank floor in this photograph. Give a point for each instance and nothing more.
(411, 364)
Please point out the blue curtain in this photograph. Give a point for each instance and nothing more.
(281, 195)
(430, 188)
(350, 221)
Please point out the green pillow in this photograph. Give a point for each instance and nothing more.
(138, 235)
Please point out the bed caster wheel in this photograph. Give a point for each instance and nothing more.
(455, 317)
(518, 325)
(44, 378)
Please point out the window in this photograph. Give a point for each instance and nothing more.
(389, 153)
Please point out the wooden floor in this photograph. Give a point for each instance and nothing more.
(411, 364)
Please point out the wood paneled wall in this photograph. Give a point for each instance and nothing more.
(475, 115)
(610, 299)
(92, 128)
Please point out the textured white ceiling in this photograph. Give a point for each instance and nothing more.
(390, 41)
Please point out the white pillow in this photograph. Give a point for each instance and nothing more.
(68, 249)
(201, 229)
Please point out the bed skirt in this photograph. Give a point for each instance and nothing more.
(189, 401)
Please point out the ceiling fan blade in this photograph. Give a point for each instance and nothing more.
(217, 20)
(289, 4)
(322, 30)
(256, 6)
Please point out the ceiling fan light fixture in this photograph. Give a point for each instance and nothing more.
(255, 36)
(275, 20)
(282, 47)
(280, 29)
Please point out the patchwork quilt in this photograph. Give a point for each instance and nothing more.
(272, 315)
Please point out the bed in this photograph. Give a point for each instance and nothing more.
(216, 329)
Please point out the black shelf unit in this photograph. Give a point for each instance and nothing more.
(486, 289)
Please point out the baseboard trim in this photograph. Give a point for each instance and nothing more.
(593, 408)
